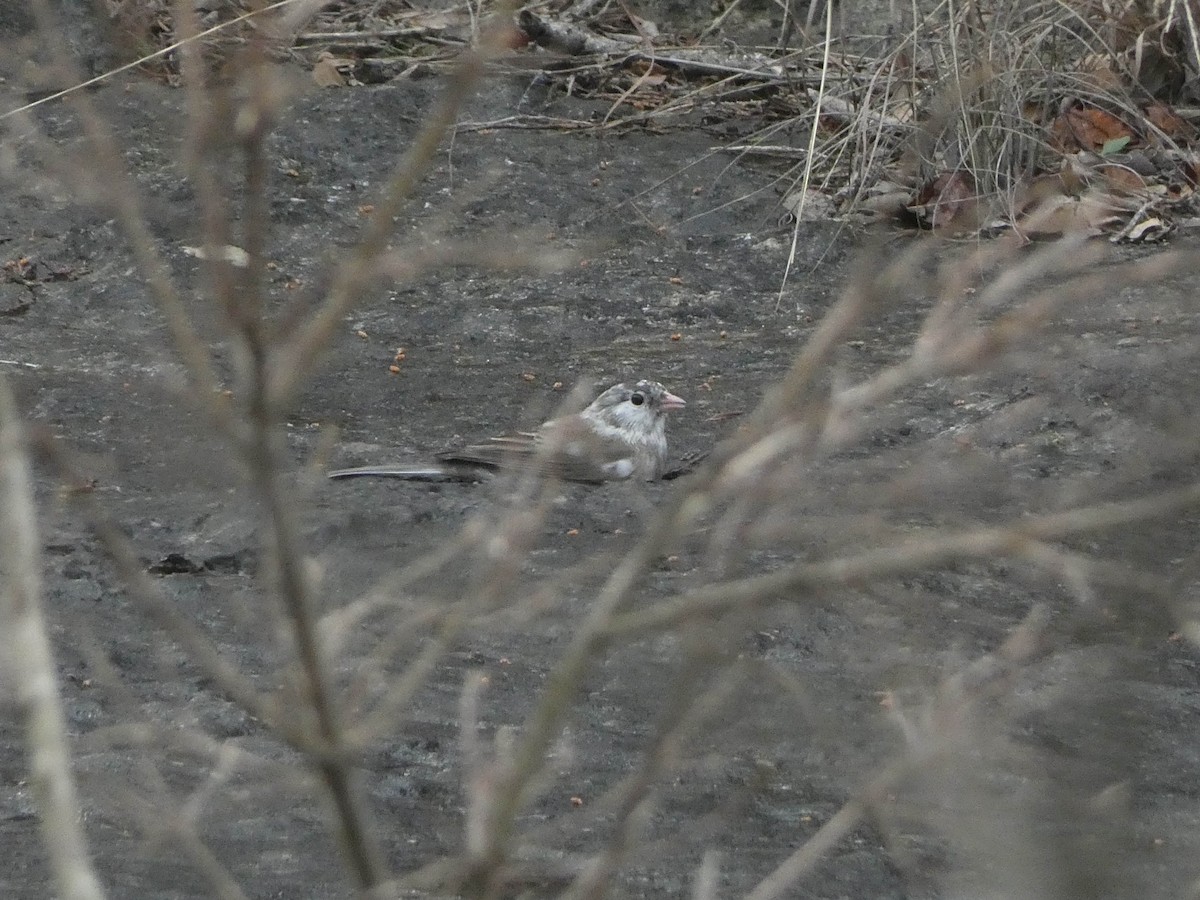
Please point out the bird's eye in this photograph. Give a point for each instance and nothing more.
(637, 399)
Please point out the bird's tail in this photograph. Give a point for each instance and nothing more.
(407, 472)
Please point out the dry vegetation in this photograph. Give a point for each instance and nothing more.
(982, 94)
(1039, 115)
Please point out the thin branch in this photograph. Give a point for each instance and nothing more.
(25, 644)
(686, 709)
(802, 581)
(295, 359)
(78, 85)
(122, 193)
(352, 818)
(958, 694)
(145, 592)
(160, 824)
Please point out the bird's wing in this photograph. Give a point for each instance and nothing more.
(494, 453)
(563, 449)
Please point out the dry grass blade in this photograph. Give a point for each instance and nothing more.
(806, 178)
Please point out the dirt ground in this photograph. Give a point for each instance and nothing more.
(1092, 784)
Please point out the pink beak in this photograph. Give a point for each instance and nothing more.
(670, 401)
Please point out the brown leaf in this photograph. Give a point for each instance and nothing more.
(1121, 179)
(644, 27)
(1032, 193)
(1081, 127)
(325, 72)
(646, 67)
(1089, 214)
(951, 202)
(1189, 170)
(1166, 120)
(1097, 69)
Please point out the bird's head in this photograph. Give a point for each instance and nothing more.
(639, 408)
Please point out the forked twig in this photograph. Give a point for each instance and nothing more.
(990, 674)
(802, 582)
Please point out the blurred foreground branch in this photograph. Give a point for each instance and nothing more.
(29, 662)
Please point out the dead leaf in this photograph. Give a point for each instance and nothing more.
(325, 71)
(22, 270)
(1121, 179)
(1148, 230)
(1189, 170)
(1097, 69)
(1166, 120)
(1089, 214)
(1033, 192)
(644, 27)
(950, 202)
(810, 206)
(1081, 127)
(228, 253)
(903, 101)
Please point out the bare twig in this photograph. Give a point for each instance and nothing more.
(169, 817)
(147, 595)
(122, 193)
(804, 581)
(686, 709)
(296, 357)
(352, 819)
(990, 674)
(189, 38)
(25, 649)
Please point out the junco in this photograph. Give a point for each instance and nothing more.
(622, 434)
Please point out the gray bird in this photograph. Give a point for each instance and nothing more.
(621, 435)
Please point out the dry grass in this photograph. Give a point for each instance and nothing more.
(983, 89)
